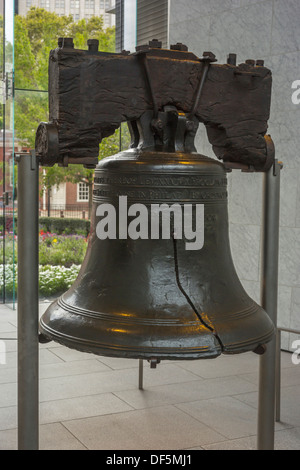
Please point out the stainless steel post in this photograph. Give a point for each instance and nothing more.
(278, 375)
(28, 316)
(141, 370)
(269, 291)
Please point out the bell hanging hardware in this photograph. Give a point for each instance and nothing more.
(143, 292)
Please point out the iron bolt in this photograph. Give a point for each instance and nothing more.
(155, 43)
(190, 126)
(93, 45)
(209, 56)
(179, 47)
(66, 42)
(260, 63)
(231, 59)
(157, 124)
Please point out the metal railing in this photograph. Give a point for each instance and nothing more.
(76, 211)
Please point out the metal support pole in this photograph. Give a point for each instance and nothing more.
(141, 374)
(28, 307)
(278, 375)
(269, 291)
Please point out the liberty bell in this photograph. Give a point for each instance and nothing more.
(158, 280)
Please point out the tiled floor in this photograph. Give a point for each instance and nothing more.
(93, 402)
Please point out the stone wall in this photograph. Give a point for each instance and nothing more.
(268, 30)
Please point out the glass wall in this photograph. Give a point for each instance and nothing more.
(8, 176)
(26, 41)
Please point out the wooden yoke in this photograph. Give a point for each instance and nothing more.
(91, 93)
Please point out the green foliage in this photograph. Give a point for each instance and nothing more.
(30, 109)
(25, 61)
(58, 225)
(64, 250)
(64, 225)
(35, 35)
(53, 280)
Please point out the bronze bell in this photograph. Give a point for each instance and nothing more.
(152, 297)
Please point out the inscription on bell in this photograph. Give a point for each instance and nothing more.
(163, 195)
(160, 181)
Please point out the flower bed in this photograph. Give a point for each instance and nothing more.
(53, 280)
(60, 259)
(61, 250)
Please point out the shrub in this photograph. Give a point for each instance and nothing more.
(64, 225)
(53, 280)
(61, 249)
(57, 225)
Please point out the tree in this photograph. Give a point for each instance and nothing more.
(57, 175)
(35, 35)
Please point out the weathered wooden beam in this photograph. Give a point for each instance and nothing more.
(91, 93)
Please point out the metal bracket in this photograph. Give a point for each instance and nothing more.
(153, 362)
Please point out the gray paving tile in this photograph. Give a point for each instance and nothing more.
(245, 443)
(223, 365)
(5, 327)
(63, 369)
(288, 376)
(56, 437)
(185, 392)
(120, 363)
(8, 375)
(81, 407)
(91, 384)
(45, 357)
(51, 437)
(10, 361)
(156, 428)
(68, 355)
(290, 405)
(288, 439)
(10, 341)
(8, 394)
(8, 418)
(226, 415)
(9, 439)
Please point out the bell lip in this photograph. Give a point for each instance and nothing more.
(70, 326)
(250, 345)
(87, 346)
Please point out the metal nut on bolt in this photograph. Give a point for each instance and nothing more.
(155, 43)
(231, 59)
(190, 126)
(157, 124)
(93, 45)
(179, 47)
(208, 56)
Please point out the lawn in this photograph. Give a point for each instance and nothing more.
(60, 258)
